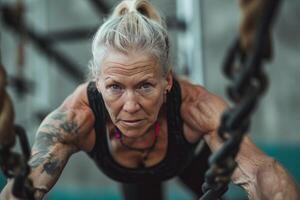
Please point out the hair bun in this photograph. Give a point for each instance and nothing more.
(142, 7)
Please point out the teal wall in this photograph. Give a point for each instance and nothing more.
(2, 180)
(287, 155)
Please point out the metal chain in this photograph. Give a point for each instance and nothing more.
(249, 82)
(13, 165)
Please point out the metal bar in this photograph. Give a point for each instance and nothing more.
(174, 23)
(101, 7)
(42, 44)
(70, 35)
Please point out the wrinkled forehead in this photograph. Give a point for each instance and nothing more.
(129, 63)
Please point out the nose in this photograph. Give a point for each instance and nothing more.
(131, 104)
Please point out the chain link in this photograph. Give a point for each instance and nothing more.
(13, 165)
(249, 82)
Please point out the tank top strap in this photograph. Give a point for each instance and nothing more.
(98, 107)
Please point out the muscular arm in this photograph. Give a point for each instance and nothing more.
(55, 143)
(58, 137)
(260, 175)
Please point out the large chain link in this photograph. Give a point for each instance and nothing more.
(6, 113)
(243, 66)
(13, 165)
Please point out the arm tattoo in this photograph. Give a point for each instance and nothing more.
(54, 130)
(70, 127)
(36, 160)
(52, 167)
(58, 116)
(66, 125)
(44, 141)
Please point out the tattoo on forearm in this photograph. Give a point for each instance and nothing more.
(45, 139)
(55, 130)
(70, 127)
(52, 167)
(36, 160)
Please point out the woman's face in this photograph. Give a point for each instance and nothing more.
(133, 89)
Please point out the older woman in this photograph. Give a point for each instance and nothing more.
(139, 123)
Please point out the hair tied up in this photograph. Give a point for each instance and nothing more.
(142, 7)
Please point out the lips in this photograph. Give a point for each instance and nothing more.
(135, 122)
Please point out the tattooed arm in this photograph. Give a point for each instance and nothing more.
(56, 140)
(64, 132)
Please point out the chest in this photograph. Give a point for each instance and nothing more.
(133, 159)
(124, 155)
(171, 154)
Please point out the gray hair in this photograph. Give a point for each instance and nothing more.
(135, 25)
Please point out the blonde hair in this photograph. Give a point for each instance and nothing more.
(134, 25)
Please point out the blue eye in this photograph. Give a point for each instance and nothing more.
(115, 88)
(146, 87)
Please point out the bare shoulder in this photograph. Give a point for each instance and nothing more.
(197, 93)
(201, 110)
(77, 103)
(78, 99)
(72, 122)
(78, 106)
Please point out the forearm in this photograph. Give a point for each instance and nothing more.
(45, 171)
(271, 182)
(262, 177)
(276, 183)
(46, 168)
(6, 193)
(52, 148)
(49, 155)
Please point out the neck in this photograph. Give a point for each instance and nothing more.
(146, 139)
(142, 137)
(141, 142)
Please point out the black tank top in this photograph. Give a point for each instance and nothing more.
(179, 151)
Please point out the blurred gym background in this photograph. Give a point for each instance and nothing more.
(45, 48)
